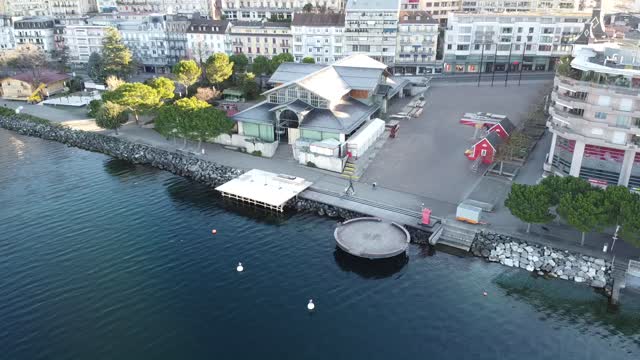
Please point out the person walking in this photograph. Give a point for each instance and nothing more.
(350, 189)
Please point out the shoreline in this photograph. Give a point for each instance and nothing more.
(492, 247)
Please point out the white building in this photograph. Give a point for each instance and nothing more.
(185, 7)
(57, 8)
(38, 31)
(319, 36)
(531, 41)
(417, 43)
(106, 5)
(148, 42)
(527, 5)
(371, 28)
(82, 40)
(272, 9)
(206, 37)
(595, 117)
(7, 41)
(255, 38)
(439, 10)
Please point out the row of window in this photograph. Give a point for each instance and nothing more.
(266, 50)
(312, 50)
(513, 47)
(294, 93)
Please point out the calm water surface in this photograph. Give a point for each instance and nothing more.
(100, 259)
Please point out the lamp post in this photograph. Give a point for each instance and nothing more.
(481, 63)
(615, 237)
(506, 77)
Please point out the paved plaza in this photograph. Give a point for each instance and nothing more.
(427, 158)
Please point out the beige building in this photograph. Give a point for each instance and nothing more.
(82, 40)
(267, 9)
(595, 117)
(254, 38)
(417, 43)
(21, 86)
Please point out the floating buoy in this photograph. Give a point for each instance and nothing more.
(311, 305)
(484, 293)
(240, 268)
(214, 231)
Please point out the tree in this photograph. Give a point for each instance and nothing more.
(584, 211)
(135, 97)
(308, 7)
(218, 68)
(529, 203)
(615, 197)
(240, 62)
(94, 66)
(208, 123)
(26, 58)
(76, 84)
(60, 58)
(207, 94)
(279, 59)
(564, 66)
(93, 107)
(261, 65)
(249, 86)
(164, 87)
(113, 82)
(187, 72)
(558, 186)
(111, 116)
(308, 60)
(630, 221)
(116, 57)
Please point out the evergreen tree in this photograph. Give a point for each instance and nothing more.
(558, 186)
(135, 97)
(240, 62)
(116, 57)
(111, 116)
(261, 65)
(218, 68)
(530, 204)
(308, 60)
(164, 87)
(279, 59)
(187, 72)
(630, 220)
(584, 211)
(94, 66)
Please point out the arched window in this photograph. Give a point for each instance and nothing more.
(289, 119)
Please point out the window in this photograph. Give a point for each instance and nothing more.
(462, 47)
(448, 46)
(483, 152)
(601, 115)
(292, 92)
(476, 47)
(314, 100)
(544, 47)
(626, 105)
(604, 100)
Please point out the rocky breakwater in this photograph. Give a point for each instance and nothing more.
(181, 164)
(543, 260)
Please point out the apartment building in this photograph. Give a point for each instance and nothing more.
(417, 43)
(38, 31)
(371, 28)
(527, 5)
(319, 36)
(206, 37)
(7, 41)
(167, 6)
(254, 38)
(83, 40)
(176, 27)
(273, 9)
(411, 5)
(27, 8)
(595, 117)
(106, 5)
(57, 8)
(148, 42)
(501, 41)
(440, 9)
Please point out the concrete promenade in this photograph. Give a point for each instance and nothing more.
(384, 199)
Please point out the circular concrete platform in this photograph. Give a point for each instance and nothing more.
(372, 238)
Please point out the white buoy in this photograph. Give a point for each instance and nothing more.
(240, 268)
(311, 305)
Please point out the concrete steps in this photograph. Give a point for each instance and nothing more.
(349, 171)
(457, 235)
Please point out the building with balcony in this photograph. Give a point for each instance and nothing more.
(81, 41)
(7, 41)
(511, 6)
(595, 117)
(417, 43)
(371, 28)
(411, 5)
(510, 42)
(318, 36)
(57, 8)
(149, 43)
(273, 9)
(38, 31)
(206, 37)
(255, 38)
(177, 42)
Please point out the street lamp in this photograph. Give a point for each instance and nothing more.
(615, 237)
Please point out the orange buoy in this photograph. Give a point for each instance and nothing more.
(214, 231)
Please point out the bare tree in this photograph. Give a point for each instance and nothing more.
(207, 94)
(26, 58)
(113, 82)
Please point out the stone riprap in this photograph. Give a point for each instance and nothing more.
(543, 260)
(186, 165)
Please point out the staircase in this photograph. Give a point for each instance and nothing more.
(455, 234)
(349, 170)
(475, 165)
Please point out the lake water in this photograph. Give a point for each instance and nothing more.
(101, 259)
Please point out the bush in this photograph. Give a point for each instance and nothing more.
(93, 107)
(256, 153)
(34, 119)
(311, 164)
(76, 84)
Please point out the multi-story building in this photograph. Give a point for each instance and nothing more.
(3, 7)
(273, 9)
(83, 40)
(254, 38)
(371, 28)
(526, 5)
(107, 6)
(501, 41)
(38, 31)
(206, 37)
(440, 9)
(176, 26)
(411, 5)
(7, 41)
(148, 42)
(417, 43)
(319, 36)
(595, 117)
(57, 8)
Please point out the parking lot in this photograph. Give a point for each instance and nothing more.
(427, 157)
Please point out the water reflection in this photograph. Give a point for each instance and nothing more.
(369, 269)
(559, 299)
(123, 169)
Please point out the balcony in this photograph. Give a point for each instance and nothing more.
(578, 84)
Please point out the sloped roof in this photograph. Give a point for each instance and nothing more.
(506, 124)
(326, 83)
(313, 19)
(297, 106)
(344, 118)
(207, 26)
(359, 78)
(360, 61)
(416, 17)
(289, 71)
(493, 139)
(258, 114)
(46, 77)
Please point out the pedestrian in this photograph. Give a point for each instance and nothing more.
(374, 185)
(350, 188)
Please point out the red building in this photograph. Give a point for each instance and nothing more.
(504, 128)
(486, 148)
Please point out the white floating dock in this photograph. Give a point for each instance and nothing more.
(263, 188)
